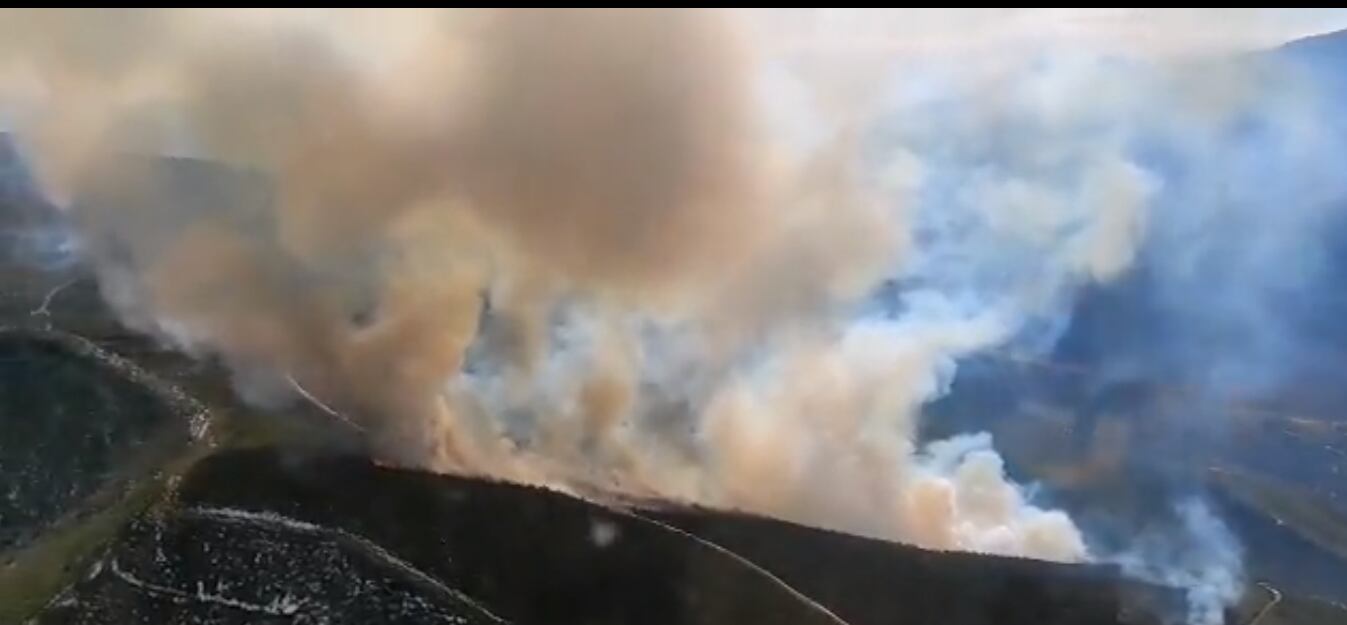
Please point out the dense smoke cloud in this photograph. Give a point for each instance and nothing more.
(609, 155)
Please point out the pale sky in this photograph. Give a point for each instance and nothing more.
(1140, 31)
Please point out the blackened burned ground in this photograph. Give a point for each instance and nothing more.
(270, 536)
(69, 423)
(527, 555)
(856, 576)
(207, 567)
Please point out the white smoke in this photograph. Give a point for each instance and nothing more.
(963, 500)
(1202, 557)
(1033, 186)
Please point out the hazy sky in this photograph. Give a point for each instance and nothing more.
(1138, 30)
(1144, 31)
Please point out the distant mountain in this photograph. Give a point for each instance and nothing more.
(1236, 324)
(1224, 345)
(1326, 52)
(20, 200)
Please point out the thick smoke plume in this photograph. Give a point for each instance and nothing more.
(570, 247)
(655, 252)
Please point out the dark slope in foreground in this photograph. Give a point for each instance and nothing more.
(868, 581)
(270, 536)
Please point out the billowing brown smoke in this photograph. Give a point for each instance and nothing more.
(613, 154)
(412, 187)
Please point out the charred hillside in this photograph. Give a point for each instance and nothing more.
(339, 539)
